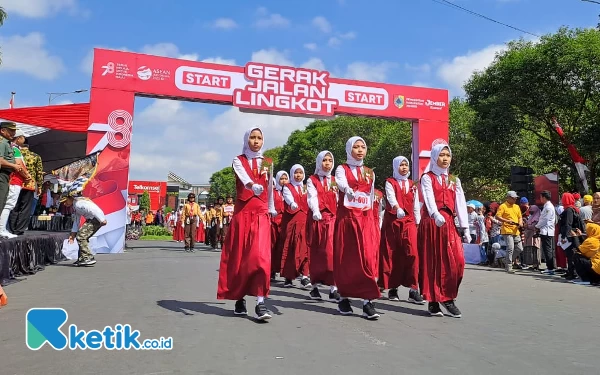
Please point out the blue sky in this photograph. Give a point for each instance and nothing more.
(46, 47)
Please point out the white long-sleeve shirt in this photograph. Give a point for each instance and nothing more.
(390, 195)
(313, 198)
(546, 223)
(461, 203)
(241, 173)
(287, 194)
(85, 208)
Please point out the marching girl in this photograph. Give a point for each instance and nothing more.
(441, 258)
(177, 224)
(200, 233)
(281, 179)
(355, 250)
(295, 257)
(246, 255)
(322, 201)
(398, 254)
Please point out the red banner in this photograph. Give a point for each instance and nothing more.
(156, 190)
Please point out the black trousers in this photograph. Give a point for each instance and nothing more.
(583, 266)
(4, 178)
(548, 249)
(20, 215)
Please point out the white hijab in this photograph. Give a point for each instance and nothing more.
(349, 159)
(435, 154)
(319, 170)
(291, 175)
(246, 150)
(396, 164)
(277, 177)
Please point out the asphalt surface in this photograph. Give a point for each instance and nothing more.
(512, 324)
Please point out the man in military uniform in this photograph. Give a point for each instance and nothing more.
(7, 159)
(21, 214)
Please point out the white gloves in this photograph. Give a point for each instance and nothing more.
(257, 189)
(467, 237)
(317, 216)
(400, 213)
(439, 219)
(294, 206)
(350, 193)
(273, 213)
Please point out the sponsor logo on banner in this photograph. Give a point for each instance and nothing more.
(361, 201)
(435, 105)
(399, 101)
(120, 71)
(146, 188)
(145, 73)
(286, 89)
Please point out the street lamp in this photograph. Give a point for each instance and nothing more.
(54, 95)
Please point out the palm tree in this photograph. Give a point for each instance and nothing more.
(3, 16)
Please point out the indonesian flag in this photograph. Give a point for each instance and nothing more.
(578, 160)
(11, 104)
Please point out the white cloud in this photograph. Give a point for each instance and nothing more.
(314, 63)
(219, 60)
(421, 84)
(349, 35)
(456, 72)
(168, 50)
(423, 69)
(195, 145)
(322, 24)
(41, 8)
(270, 20)
(224, 24)
(376, 72)
(336, 41)
(310, 46)
(27, 54)
(271, 56)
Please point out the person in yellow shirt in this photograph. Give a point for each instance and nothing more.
(509, 214)
(587, 258)
(189, 218)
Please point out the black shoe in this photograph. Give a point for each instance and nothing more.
(369, 311)
(434, 309)
(334, 296)
(415, 297)
(306, 283)
(186, 249)
(393, 295)
(451, 308)
(88, 262)
(288, 283)
(314, 294)
(240, 308)
(76, 263)
(344, 307)
(261, 312)
(192, 250)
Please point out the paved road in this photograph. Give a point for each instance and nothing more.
(512, 324)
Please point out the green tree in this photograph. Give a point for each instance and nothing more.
(273, 154)
(145, 202)
(516, 98)
(222, 183)
(3, 17)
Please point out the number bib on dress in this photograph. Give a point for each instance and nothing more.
(361, 201)
(228, 209)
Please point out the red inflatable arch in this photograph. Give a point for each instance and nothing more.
(119, 76)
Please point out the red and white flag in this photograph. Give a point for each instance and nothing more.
(11, 104)
(578, 160)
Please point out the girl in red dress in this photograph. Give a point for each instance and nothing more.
(281, 179)
(295, 257)
(441, 257)
(355, 246)
(398, 254)
(200, 233)
(246, 256)
(322, 201)
(177, 224)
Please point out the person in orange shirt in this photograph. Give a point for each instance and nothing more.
(189, 219)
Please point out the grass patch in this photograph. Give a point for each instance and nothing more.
(156, 238)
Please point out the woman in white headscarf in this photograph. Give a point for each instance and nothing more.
(295, 256)
(398, 253)
(246, 265)
(356, 238)
(322, 201)
(441, 257)
(281, 179)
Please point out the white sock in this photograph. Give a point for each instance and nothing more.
(332, 288)
(304, 277)
(260, 300)
(366, 301)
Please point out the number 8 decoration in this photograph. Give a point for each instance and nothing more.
(117, 130)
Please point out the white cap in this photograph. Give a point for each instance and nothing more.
(19, 133)
(512, 194)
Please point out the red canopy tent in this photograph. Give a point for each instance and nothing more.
(65, 137)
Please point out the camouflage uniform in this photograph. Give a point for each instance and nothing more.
(87, 231)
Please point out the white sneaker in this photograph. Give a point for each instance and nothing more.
(7, 234)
